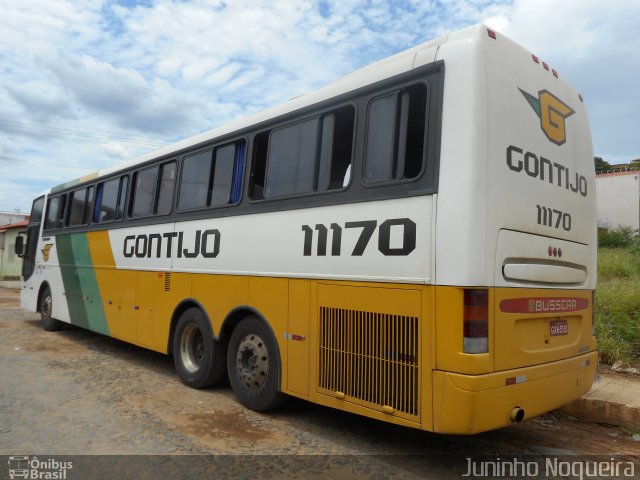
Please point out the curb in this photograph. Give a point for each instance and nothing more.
(613, 399)
(602, 411)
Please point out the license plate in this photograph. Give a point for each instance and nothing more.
(559, 327)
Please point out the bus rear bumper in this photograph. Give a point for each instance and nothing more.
(466, 404)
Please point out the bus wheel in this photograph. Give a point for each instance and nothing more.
(46, 307)
(198, 358)
(253, 365)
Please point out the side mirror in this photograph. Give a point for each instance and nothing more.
(19, 247)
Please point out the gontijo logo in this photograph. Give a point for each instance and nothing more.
(552, 113)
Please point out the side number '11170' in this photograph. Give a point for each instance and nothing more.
(405, 226)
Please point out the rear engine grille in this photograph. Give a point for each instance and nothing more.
(371, 358)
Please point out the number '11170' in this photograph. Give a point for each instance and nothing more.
(554, 218)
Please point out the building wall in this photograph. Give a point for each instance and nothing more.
(618, 199)
(10, 263)
(12, 217)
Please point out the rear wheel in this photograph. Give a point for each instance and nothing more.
(254, 366)
(49, 323)
(199, 359)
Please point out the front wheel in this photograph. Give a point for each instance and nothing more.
(198, 358)
(254, 366)
(49, 323)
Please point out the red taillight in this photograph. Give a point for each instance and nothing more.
(491, 33)
(535, 59)
(476, 321)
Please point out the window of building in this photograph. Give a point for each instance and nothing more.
(309, 156)
(396, 130)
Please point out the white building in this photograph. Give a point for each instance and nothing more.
(618, 199)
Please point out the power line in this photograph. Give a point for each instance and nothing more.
(124, 143)
(15, 159)
(86, 130)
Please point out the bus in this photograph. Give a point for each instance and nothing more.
(415, 243)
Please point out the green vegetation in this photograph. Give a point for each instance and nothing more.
(618, 296)
(601, 165)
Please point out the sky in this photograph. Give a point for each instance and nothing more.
(85, 84)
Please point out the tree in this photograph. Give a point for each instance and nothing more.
(601, 165)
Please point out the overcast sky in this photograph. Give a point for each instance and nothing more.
(87, 83)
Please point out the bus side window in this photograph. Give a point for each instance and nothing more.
(108, 197)
(220, 193)
(194, 183)
(55, 213)
(80, 202)
(309, 156)
(396, 132)
(153, 190)
(212, 178)
(166, 187)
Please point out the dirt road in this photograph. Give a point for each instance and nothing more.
(75, 392)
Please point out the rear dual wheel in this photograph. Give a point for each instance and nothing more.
(253, 364)
(198, 358)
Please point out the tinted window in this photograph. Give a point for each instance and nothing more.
(36, 210)
(223, 175)
(123, 198)
(108, 200)
(194, 185)
(310, 156)
(80, 206)
(153, 190)
(144, 198)
(212, 178)
(396, 129)
(167, 183)
(292, 152)
(55, 212)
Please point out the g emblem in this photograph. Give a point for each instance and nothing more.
(552, 113)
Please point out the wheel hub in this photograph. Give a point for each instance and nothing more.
(192, 348)
(252, 361)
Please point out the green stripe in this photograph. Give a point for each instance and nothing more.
(75, 182)
(80, 283)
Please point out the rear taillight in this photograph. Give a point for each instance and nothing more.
(476, 321)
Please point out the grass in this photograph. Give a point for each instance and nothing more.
(618, 303)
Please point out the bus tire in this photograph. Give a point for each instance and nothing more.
(49, 323)
(198, 358)
(254, 366)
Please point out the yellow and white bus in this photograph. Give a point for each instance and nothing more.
(415, 242)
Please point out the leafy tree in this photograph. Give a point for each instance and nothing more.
(601, 165)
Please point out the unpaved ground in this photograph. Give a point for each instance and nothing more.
(76, 392)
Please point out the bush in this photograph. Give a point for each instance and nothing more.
(618, 237)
